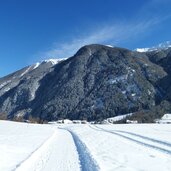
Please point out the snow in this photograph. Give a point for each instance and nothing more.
(18, 141)
(149, 92)
(121, 78)
(67, 121)
(166, 116)
(35, 87)
(109, 46)
(165, 119)
(36, 65)
(133, 94)
(118, 118)
(85, 147)
(159, 47)
(6, 89)
(32, 67)
(54, 61)
(142, 49)
(26, 71)
(165, 45)
(5, 83)
(124, 152)
(54, 151)
(90, 52)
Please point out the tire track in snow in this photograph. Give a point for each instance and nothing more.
(36, 155)
(63, 155)
(86, 161)
(139, 136)
(166, 151)
(146, 138)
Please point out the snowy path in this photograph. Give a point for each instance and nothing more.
(86, 160)
(63, 151)
(57, 153)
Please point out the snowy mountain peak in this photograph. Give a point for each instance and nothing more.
(159, 47)
(165, 45)
(109, 46)
(142, 49)
(36, 65)
(54, 61)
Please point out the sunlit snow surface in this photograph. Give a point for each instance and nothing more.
(68, 147)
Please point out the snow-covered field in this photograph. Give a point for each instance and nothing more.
(68, 147)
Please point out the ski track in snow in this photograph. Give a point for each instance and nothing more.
(53, 150)
(84, 148)
(35, 155)
(86, 160)
(44, 156)
(58, 148)
(63, 156)
(143, 141)
(146, 138)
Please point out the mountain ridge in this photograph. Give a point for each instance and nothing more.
(161, 46)
(96, 83)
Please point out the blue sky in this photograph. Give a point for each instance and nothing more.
(33, 30)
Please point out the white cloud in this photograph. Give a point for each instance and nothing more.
(114, 34)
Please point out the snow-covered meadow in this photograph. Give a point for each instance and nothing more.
(72, 147)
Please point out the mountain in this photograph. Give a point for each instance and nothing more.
(161, 46)
(18, 89)
(98, 82)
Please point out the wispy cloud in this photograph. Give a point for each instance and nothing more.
(114, 33)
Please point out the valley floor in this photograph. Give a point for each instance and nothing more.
(129, 147)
